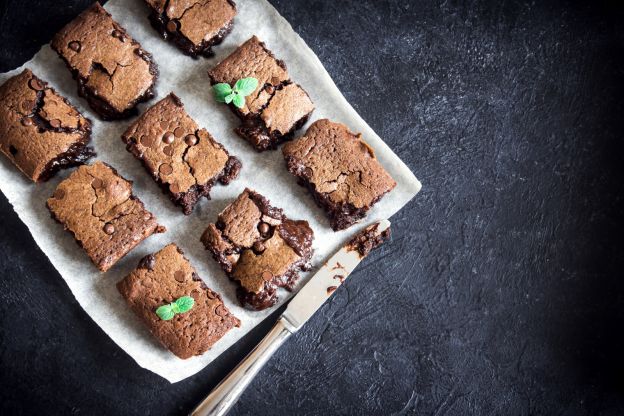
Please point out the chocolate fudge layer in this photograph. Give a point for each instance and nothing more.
(97, 206)
(113, 72)
(160, 279)
(40, 131)
(259, 247)
(184, 159)
(195, 27)
(277, 108)
(340, 170)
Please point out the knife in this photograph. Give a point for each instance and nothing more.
(301, 308)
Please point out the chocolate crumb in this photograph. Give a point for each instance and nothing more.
(368, 239)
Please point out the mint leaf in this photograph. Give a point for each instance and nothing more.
(228, 98)
(184, 304)
(221, 91)
(165, 312)
(239, 101)
(246, 86)
(174, 308)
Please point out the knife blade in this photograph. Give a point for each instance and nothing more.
(326, 280)
(300, 309)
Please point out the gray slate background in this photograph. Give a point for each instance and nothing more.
(502, 291)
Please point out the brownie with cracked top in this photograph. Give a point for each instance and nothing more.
(259, 247)
(277, 108)
(113, 71)
(340, 170)
(98, 207)
(40, 131)
(182, 158)
(194, 27)
(160, 279)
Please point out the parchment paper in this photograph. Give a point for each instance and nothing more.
(264, 172)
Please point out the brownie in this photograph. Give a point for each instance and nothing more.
(97, 206)
(340, 170)
(277, 108)
(259, 247)
(113, 72)
(182, 158)
(40, 131)
(195, 27)
(162, 278)
(368, 239)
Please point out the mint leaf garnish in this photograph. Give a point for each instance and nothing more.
(221, 91)
(185, 303)
(246, 86)
(224, 93)
(239, 101)
(165, 312)
(181, 305)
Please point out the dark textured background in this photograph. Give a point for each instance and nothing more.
(502, 291)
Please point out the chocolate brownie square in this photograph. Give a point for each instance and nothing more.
(113, 72)
(195, 27)
(161, 279)
(40, 131)
(259, 247)
(182, 158)
(97, 206)
(277, 108)
(340, 170)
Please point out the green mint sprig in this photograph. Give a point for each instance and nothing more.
(181, 305)
(224, 93)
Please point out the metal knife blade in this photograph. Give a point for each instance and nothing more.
(309, 299)
(326, 280)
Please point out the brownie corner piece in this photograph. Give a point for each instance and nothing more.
(114, 73)
(277, 108)
(98, 207)
(340, 171)
(40, 131)
(193, 27)
(160, 280)
(185, 160)
(259, 248)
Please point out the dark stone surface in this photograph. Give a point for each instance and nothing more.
(502, 291)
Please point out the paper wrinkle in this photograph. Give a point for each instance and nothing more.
(265, 172)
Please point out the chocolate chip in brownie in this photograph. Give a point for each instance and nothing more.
(259, 247)
(160, 279)
(186, 169)
(113, 72)
(106, 220)
(194, 27)
(40, 131)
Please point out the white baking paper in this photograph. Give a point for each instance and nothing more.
(264, 172)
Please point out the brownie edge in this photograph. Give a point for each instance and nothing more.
(185, 160)
(114, 73)
(40, 131)
(193, 28)
(259, 248)
(98, 207)
(160, 279)
(340, 171)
